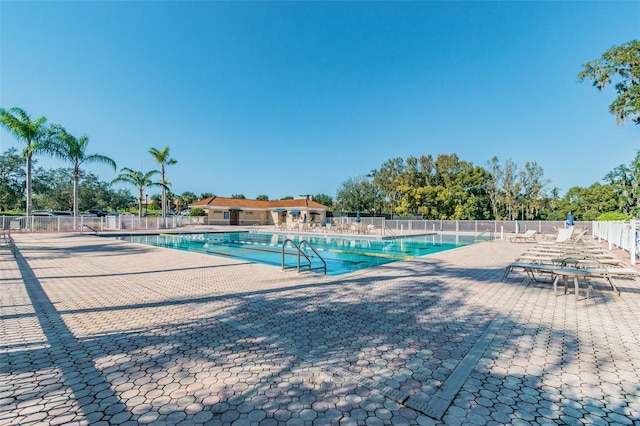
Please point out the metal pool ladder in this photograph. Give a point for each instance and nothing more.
(300, 252)
(486, 231)
(393, 234)
(89, 228)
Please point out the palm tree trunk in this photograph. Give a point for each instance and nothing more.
(76, 178)
(28, 184)
(164, 203)
(164, 196)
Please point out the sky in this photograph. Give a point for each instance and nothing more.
(294, 98)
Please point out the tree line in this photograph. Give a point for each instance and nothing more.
(442, 188)
(53, 189)
(449, 188)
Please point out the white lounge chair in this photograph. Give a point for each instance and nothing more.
(564, 235)
(528, 237)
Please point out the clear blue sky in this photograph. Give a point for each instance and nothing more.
(290, 98)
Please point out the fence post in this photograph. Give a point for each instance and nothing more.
(633, 243)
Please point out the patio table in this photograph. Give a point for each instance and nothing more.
(566, 273)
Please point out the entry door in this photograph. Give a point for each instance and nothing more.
(234, 218)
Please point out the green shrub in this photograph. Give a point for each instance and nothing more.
(197, 211)
(614, 216)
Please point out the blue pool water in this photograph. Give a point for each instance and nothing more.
(341, 254)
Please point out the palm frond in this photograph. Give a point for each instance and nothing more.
(102, 159)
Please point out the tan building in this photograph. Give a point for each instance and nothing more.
(235, 211)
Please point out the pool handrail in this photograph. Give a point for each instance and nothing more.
(317, 254)
(487, 231)
(393, 235)
(300, 252)
(284, 245)
(88, 227)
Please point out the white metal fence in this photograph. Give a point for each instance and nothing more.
(623, 235)
(87, 223)
(498, 227)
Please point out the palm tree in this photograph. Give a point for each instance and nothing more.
(162, 158)
(140, 180)
(74, 150)
(35, 133)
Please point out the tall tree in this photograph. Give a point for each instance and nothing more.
(621, 180)
(625, 181)
(187, 198)
(323, 199)
(52, 189)
(493, 186)
(120, 199)
(162, 158)
(510, 187)
(140, 180)
(634, 169)
(355, 195)
(451, 189)
(385, 180)
(533, 186)
(11, 179)
(552, 205)
(589, 203)
(415, 185)
(624, 62)
(74, 150)
(34, 133)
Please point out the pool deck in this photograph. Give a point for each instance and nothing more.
(100, 331)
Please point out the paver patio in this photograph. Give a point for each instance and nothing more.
(99, 331)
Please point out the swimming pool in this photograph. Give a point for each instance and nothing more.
(341, 254)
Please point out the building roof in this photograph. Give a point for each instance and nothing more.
(257, 204)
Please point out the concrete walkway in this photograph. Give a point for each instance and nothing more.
(97, 331)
